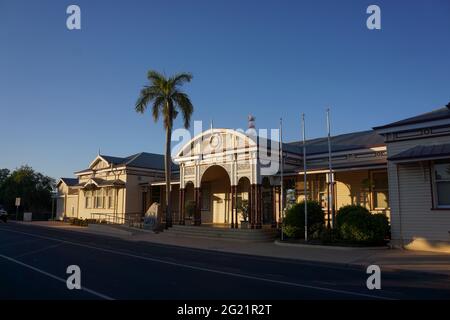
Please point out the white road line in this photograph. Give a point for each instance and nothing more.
(38, 250)
(95, 293)
(237, 275)
(220, 252)
(15, 243)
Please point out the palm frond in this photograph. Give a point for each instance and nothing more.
(168, 114)
(157, 107)
(167, 99)
(155, 77)
(183, 103)
(147, 94)
(180, 78)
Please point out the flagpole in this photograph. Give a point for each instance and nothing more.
(330, 174)
(281, 177)
(304, 177)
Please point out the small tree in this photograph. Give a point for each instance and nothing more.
(190, 208)
(357, 224)
(244, 209)
(32, 187)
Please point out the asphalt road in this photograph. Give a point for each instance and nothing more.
(33, 263)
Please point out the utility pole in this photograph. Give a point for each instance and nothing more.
(330, 174)
(304, 177)
(281, 178)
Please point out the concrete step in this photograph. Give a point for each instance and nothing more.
(109, 229)
(223, 233)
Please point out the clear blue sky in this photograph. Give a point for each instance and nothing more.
(64, 94)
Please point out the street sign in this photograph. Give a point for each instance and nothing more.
(17, 202)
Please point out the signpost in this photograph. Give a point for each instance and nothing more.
(54, 196)
(17, 207)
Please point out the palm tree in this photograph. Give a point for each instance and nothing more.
(167, 101)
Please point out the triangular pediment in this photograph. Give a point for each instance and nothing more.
(99, 163)
(215, 141)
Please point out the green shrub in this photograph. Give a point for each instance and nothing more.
(79, 222)
(343, 212)
(328, 236)
(357, 224)
(380, 227)
(294, 221)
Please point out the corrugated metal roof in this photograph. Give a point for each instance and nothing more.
(113, 160)
(140, 160)
(423, 151)
(101, 183)
(70, 181)
(438, 114)
(344, 142)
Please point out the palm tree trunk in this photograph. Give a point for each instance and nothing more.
(168, 167)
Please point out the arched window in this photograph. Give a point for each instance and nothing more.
(87, 199)
(98, 200)
(110, 197)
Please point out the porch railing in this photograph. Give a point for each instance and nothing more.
(130, 219)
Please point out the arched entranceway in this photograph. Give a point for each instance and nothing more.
(267, 199)
(243, 200)
(188, 204)
(215, 199)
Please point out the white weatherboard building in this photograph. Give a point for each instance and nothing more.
(418, 151)
(401, 169)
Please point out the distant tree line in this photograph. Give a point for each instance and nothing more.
(34, 189)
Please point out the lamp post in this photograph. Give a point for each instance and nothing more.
(281, 178)
(304, 176)
(54, 194)
(331, 175)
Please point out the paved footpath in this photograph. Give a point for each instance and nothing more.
(33, 261)
(392, 259)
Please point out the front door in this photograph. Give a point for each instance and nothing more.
(144, 203)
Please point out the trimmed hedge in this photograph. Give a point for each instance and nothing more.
(84, 222)
(357, 224)
(294, 221)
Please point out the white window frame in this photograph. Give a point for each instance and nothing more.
(87, 200)
(98, 199)
(110, 198)
(373, 190)
(206, 195)
(434, 184)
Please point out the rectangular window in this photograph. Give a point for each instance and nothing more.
(380, 190)
(155, 195)
(110, 193)
(206, 197)
(98, 199)
(87, 199)
(144, 202)
(442, 183)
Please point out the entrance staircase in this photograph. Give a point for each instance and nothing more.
(222, 233)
